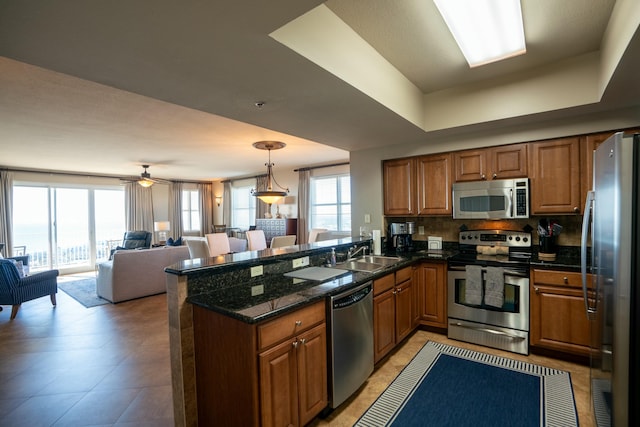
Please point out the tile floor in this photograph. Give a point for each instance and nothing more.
(109, 366)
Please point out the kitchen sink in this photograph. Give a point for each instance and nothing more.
(368, 263)
(379, 259)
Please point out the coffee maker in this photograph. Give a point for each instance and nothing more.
(400, 236)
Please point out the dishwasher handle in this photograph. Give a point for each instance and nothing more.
(351, 297)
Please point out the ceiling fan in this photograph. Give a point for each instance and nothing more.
(145, 179)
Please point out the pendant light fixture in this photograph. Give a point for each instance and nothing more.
(269, 195)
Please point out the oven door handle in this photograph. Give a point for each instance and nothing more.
(507, 272)
(491, 331)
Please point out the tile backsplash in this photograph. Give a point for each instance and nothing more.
(448, 228)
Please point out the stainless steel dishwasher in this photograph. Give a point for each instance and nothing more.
(351, 341)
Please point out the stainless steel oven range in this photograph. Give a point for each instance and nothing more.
(488, 289)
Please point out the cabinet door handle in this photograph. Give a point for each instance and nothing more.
(298, 322)
(483, 176)
(303, 341)
(536, 289)
(566, 280)
(495, 175)
(295, 344)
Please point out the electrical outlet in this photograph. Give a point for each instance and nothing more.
(367, 218)
(257, 271)
(421, 229)
(301, 262)
(257, 290)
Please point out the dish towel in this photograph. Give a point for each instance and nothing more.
(494, 287)
(473, 285)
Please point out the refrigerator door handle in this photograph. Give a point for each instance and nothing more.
(586, 220)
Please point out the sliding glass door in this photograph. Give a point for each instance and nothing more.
(69, 229)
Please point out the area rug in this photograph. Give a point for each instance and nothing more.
(83, 291)
(449, 386)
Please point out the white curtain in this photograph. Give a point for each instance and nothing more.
(175, 209)
(226, 204)
(207, 199)
(6, 214)
(139, 207)
(304, 186)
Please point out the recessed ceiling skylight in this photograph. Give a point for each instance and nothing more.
(486, 30)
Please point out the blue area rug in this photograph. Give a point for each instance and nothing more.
(450, 386)
(83, 291)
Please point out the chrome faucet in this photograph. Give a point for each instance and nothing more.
(353, 251)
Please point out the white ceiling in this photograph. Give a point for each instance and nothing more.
(105, 86)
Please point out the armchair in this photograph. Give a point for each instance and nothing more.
(134, 240)
(14, 290)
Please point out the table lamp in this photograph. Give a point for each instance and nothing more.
(162, 227)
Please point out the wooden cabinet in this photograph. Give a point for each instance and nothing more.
(434, 176)
(293, 382)
(430, 281)
(293, 374)
(393, 317)
(507, 161)
(399, 187)
(558, 320)
(555, 177)
(275, 371)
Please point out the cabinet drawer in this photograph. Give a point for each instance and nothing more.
(558, 278)
(403, 275)
(383, 284)
(290, 325)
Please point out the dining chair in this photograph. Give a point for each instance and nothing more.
(313, 234)
(256, 240)
(198, 247)
(218, 244)
(282, 241)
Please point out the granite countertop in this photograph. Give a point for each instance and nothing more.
(567, 258)
(268, 296)
(272, 295)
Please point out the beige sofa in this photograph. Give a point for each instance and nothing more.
(137, 273)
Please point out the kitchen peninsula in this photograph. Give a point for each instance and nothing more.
(227, 327)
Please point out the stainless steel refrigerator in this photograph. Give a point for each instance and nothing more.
(612, 297)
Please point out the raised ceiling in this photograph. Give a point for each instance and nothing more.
(105, 86)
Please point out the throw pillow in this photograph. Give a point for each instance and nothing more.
(19, 267)
(177, 242)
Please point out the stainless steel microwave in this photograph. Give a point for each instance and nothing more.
(496, 199)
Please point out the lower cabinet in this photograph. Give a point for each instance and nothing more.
(293, 382)
(270, 374)
(430, 281)
(558, 320)
(393, 311)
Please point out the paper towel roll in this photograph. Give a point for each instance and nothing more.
(377, 246)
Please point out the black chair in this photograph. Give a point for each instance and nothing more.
(15, 289)
(134, 240)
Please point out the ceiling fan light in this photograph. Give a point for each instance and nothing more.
(145, 182)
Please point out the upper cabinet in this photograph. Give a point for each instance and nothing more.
(434, 175)
(555, 176)
(507, 161)
(399, 187)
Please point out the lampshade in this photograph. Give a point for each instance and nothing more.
(161, 226)
(269, 195)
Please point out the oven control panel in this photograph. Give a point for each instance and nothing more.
(495, 238)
